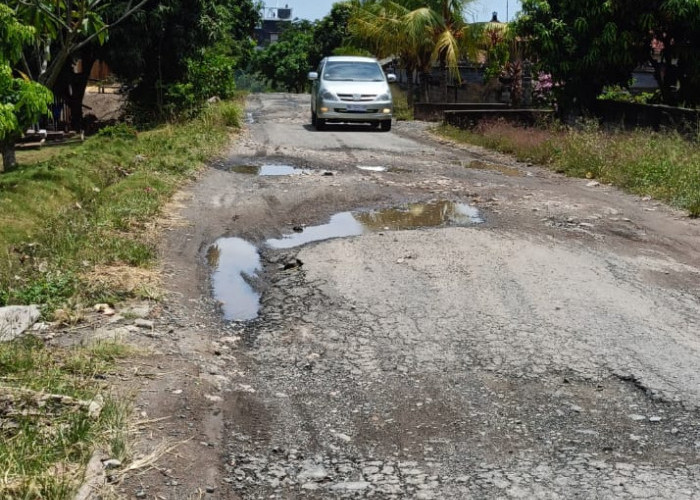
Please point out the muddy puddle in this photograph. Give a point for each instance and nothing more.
(232, 259)
(495, 167)
(412, 216)
(268, 169)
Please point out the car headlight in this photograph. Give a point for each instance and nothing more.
(384, 97)
(328, 95)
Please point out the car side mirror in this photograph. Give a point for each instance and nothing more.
(391, 78)
(313, 75)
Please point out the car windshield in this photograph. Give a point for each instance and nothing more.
(352, 71)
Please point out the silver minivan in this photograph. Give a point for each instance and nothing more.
(350, 89)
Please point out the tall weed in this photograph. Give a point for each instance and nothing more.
(663, 165)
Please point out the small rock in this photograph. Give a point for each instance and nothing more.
(654, 419)
(593, 184)
(210, 489)
(104, 309)
(144, 323)
(341, 436)
(350, 486)
(15, 320)
(111, 463)
(636, 417)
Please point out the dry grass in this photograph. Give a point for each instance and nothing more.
(665, 166)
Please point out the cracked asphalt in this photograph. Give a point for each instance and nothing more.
(550, 352)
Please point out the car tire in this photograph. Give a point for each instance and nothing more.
(320, 123)
(313, 118)
(386, 125)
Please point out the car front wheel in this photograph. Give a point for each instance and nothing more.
(320, 123)
(386, 125)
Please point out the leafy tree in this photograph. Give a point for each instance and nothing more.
(672, 46)
(589, 44)
(22, 101)
(331, 33)
(174, 53)
(64, 28)
(67, 31)
(585, 45)
(286, 63)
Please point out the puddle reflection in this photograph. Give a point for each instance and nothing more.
(413, 216)
(269, 169)
(231, 259)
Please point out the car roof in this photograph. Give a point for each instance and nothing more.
(350, 59)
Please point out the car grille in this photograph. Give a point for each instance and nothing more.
(363, 97)
(344, 110)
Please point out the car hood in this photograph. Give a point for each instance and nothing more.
(344, 87)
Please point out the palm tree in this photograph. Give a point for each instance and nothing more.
(419, 34)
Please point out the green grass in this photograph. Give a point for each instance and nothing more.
(65, 211)
(45, 441)
(665, 166)
(76, 229)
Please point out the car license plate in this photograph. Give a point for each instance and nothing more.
(357, 107)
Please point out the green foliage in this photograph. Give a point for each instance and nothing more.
(120, 130)
(662, 165)
(50, 289)
(286, 63)
(619, 93)
(587, 45)
(178, 53)
(21, 100)
(210, 75)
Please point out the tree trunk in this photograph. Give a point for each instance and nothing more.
(9, 160)
(79, 85)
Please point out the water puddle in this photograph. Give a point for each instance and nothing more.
(269, 169)
(413, 216)
(341, 225)
(231, 259)
(377, 168)
(482, 165)
(370, 168)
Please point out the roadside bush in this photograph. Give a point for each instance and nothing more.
(209, 76)
(119, 130)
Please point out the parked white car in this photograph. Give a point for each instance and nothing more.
(349, 89)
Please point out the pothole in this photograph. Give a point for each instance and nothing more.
(412, 216)
(231, 260)
(234, 260)
(268, 169)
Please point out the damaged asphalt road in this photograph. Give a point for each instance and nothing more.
(547, 347)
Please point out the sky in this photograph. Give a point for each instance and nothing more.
(477, 11)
